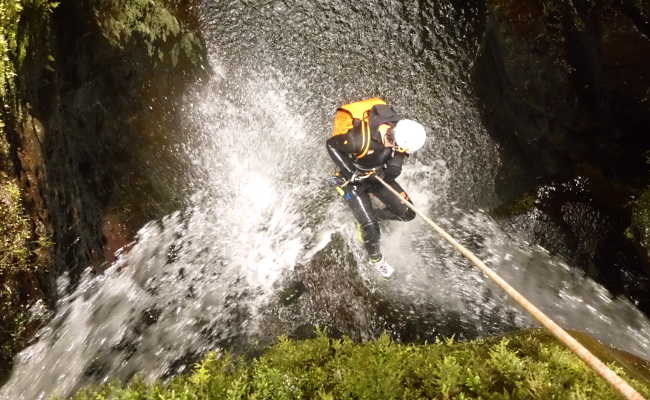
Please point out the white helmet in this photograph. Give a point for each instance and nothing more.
(409, 135)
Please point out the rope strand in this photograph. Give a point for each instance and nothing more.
(591, 360)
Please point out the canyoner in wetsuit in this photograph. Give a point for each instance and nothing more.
(371, 139)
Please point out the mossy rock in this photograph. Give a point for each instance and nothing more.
(521, 205)
(641, 218)
(50, 55)
(15, 232)
(20, 265)
(149, 24)
(639, 230)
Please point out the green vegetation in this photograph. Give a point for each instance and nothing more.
(149, 22)
(9, 15)
(23, 240)
(120, 20)
(18, 258)
(519, 206)
(19, 244)
(524, 366)
(15, 229)
(639, 229)
(14, 47)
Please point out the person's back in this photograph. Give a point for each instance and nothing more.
(370, 139)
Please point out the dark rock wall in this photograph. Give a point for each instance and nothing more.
(565, 90)
(125, 66)
(569, 86)
(93, 118)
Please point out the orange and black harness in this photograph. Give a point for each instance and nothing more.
(356, 144)
(357, 150)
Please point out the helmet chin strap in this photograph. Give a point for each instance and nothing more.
(386, 136)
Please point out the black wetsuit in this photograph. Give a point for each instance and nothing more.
(344, 150)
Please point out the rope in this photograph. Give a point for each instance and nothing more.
(591, 360)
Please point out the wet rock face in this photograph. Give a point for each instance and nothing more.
(415, 54)
(90, 143)
(565, 91)
(330, 291)
(336, 293)
(94, 104)
(124, 67)
(568, 86)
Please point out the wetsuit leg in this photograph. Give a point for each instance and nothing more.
(359, 200)
(395, 209)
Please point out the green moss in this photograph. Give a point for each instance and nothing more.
(13, 49)
(18, 242)
(121, 20)
(519, 206)
(9, 15)
(528, 365)
(15, 230)
(18, 262)
(639, 229)
(150, 23)
(640, 224)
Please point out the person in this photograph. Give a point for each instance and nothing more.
(371, 139)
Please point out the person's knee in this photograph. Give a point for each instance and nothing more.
(407, 215)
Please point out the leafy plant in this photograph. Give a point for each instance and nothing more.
(148, 22)
(15, 229)
(528, 365)
(12, 51)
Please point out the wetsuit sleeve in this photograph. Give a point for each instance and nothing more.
(338, 148)
(394, 166)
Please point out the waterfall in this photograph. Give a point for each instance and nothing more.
(259, 201)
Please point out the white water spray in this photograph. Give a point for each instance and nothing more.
(194, 280)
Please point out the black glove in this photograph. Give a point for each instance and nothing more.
(394, 167)
(392, 172)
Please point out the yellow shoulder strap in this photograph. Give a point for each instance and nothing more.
(365, 135)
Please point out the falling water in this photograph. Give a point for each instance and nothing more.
(260, 203)
(192, 281)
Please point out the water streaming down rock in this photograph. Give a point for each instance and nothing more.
(418, 55)
(193, 280)
(262, 218)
